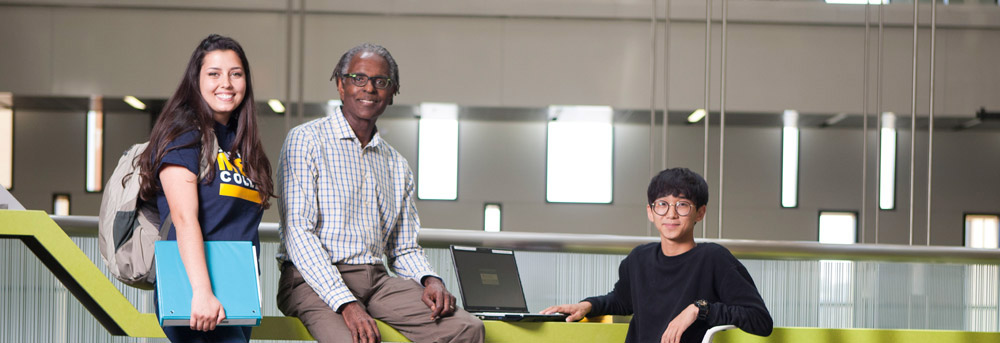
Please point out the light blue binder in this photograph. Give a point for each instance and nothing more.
(232, 267)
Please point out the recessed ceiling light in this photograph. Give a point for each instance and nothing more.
(135, 103)
(696, 115)
(276, 106)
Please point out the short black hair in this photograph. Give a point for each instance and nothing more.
(679, 182)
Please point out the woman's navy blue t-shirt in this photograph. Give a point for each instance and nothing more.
(228, 207)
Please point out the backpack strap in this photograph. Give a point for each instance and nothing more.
(166, 224)
(207, 163)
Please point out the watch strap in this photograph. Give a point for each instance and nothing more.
(702, 306)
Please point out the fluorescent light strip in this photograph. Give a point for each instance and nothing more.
(95, 141)
(579, 152)
(491, 217)
(790, 160)
(887, 174)
(696, 116)
(276, 106)
(6, 142)
(437, 155)
(134, 102)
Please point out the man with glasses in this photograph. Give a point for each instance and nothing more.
(677, 289)
(347, 201)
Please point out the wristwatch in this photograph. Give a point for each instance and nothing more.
(702, 306)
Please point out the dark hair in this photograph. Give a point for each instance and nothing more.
(187, 110)
(345, 60)
(681, 183)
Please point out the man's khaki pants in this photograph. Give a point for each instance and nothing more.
(395, 301)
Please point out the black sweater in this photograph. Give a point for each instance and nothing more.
(655, 288)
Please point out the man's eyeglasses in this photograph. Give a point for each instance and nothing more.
(360, 80)
(683, 208)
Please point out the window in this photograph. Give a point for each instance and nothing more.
(491, 217)
(838, 227)
(982, 231)
(790, 160)
(857, 2)
(437, 152)
(887, 173)
(95, 142)
(6, 140)
(836, 286)
(579, 151)
(60, 204)
(981, 303)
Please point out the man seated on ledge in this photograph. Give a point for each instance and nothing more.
(676, 289)
(347, 205)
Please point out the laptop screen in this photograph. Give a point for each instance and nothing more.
(488, 279)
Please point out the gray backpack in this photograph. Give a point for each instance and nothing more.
(128, 227)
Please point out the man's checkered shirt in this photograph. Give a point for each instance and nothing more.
(342, 203)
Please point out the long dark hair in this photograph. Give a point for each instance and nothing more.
(187, 110)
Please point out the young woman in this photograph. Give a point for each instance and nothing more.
(223, 202)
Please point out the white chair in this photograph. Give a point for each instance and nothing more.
(714, 330)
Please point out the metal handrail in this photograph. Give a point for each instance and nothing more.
(618, 244)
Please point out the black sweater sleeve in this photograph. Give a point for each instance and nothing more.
(740, 304)
(619, 300)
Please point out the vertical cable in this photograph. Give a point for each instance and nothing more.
(722, 111)
(930, 124)
(878, 116)
(288, 65)
(913, 114)
(302, 60)
(666, 83)
(708, 69)
(652, 94)
(864, 125)
(652, 83)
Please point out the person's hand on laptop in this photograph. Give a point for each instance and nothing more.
(574, 312)
(440, 301)
(362, 326)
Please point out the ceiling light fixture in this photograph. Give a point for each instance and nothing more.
(134, 102)
(276, 106)
(696, 115)
(834, 120)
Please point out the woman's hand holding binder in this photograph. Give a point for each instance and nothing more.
(206, 311)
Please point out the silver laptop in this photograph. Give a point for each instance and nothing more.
(491, 286)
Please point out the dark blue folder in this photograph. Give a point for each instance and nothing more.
(232, 268)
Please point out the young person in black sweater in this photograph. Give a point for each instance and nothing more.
(676, 289)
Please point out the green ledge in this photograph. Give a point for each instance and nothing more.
(96, 292)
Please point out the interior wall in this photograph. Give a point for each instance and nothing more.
(504, 161)
(802, 55)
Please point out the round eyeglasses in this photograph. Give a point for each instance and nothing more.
(360, 80)
(682, 208)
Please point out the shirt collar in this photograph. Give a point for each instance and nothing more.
(343, 130)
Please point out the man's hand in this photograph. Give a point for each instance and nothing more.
(362, 326)
(574, 312)
(680, 323)
(440, 301)
(206, 311)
